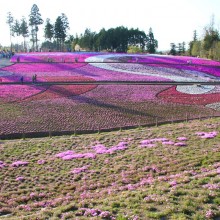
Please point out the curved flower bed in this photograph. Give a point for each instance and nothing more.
(172, 95)
(43, 68)
(62, 91)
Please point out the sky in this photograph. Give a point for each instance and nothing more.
(172, 21)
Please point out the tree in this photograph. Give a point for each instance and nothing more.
(48, 30)
(24, 31)
(152, 43)
(211, 37)
(216, 50)
(10, 21)
(101, 40)
(195, 36)
(34, 21)
(70, 43)
(16, 30)
(173, 49)
(137, 38)
(183, 48)
(180, 49)
(191, 43)
(196, 48)
(87, 40)
(60, 30)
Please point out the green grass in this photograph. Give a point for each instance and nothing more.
(162, 182)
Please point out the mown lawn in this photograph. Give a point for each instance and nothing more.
(166, 172)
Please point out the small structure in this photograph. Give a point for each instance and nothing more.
(77, 47)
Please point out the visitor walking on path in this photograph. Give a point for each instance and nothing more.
(22, 79)
(34, 78)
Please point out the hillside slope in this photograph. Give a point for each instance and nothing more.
(165, 172)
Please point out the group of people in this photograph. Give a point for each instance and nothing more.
(34, 78)
(6, 54)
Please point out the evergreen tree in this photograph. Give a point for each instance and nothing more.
(10, 21)
(173, 49)
(16, 28)
(101, 40)
(191, 43)
(16, 31)
(180, 50)
(34, 21)
(24, 31)
(195, 36)
(152, 43)
(60, 30)
(48, 30)
(183, 48)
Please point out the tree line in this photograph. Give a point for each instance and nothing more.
(207, 46)
(30, 28)
(119, 39)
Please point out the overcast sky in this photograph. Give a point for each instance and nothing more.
(171, 20)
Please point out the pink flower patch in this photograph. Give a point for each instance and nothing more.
(148, 145)
(182, 138)
(173, 183)
(101, 149)
(168, 143)
(65, 153)
(69, 155)
(2, 164)
(207, 135)
(41, 162)
(79, 170)
(19, 163)
(20, 178)
(181, 144)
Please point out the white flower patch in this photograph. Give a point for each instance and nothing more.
(166, 73)
(187, 76)
(194, 89)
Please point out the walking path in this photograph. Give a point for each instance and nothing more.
(5, 62)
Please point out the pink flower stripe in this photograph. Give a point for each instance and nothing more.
(52, 57)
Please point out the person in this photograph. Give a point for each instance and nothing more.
(22, 79)
(34, 78)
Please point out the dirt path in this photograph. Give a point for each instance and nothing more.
(5, 62)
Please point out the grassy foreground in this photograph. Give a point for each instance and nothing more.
(165, 172)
